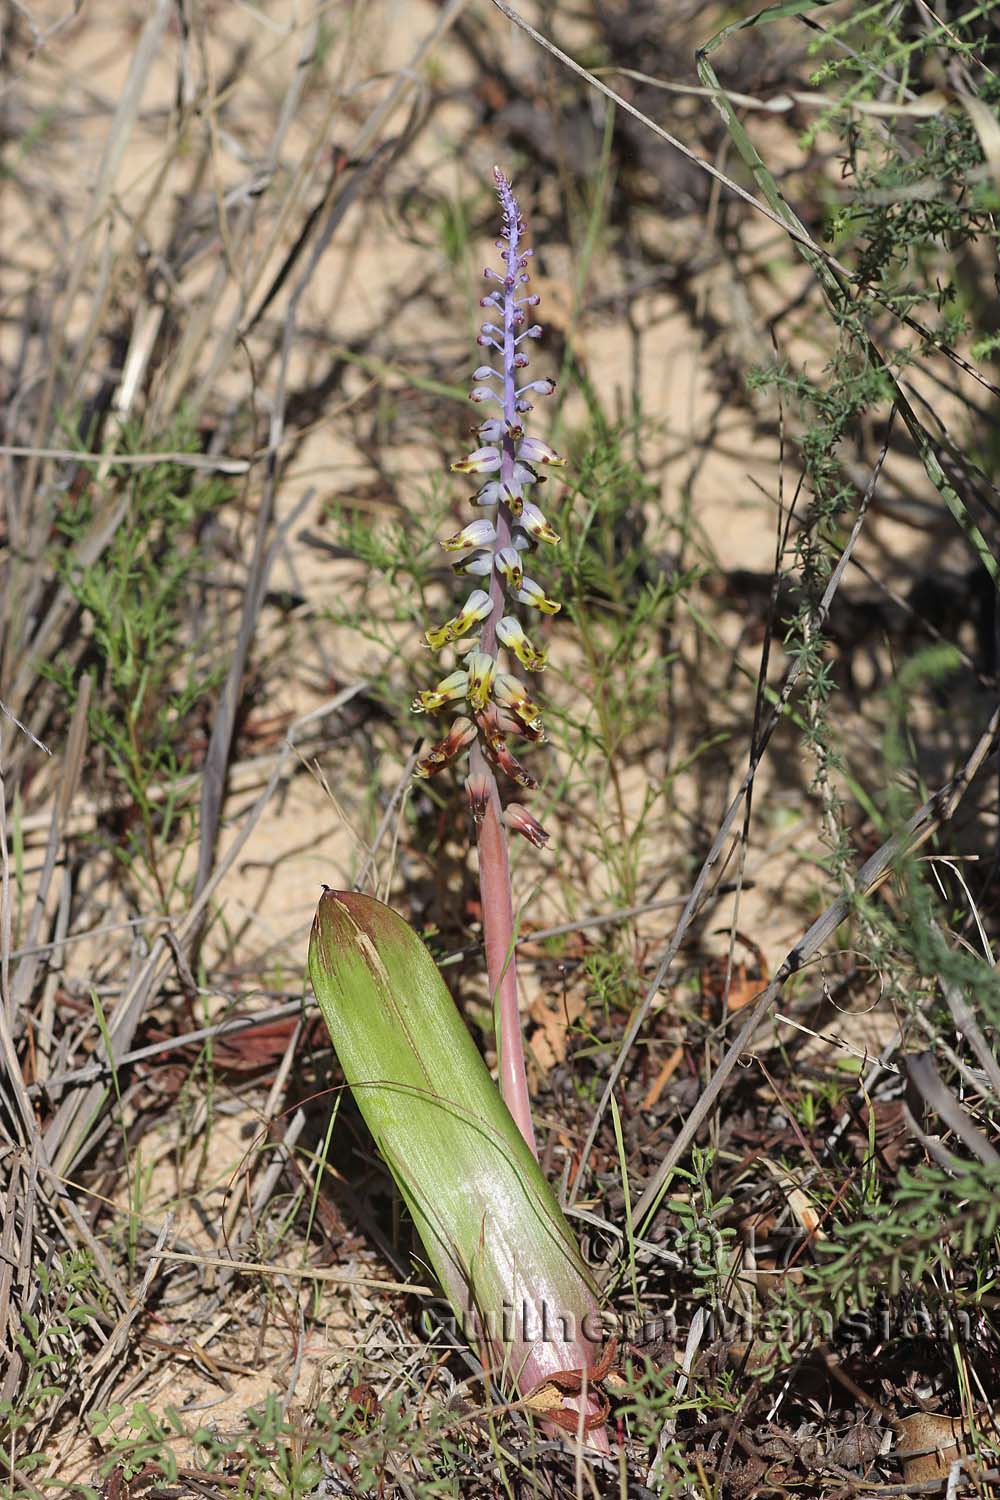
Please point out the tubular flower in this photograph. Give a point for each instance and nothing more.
(511, 633)
(509, 693)
(476, 608)
(521, 820)
(459, 738)
(498, 547)
(449, 691)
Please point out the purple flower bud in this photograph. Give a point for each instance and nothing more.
(476, 565)
(482, 461)
(533, 450)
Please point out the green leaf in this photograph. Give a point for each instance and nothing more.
(489, 1222)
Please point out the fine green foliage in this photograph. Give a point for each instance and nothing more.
(150, 663)
(623, 596)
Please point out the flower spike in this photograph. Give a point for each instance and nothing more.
(508, 465)
(494, 707)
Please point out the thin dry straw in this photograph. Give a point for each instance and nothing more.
(219, 465)
(220, 743)
(935, 811)
(795, 231)
(72, 768)
(145, 56)
(68, 1131)
(239, 1024)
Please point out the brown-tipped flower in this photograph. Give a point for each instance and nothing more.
(483, 461)
(534, 451)
(461, 734)
(477, 791)
(521, 821)
(476, 534)
(500, 753)
(536, 525)
(535, 597)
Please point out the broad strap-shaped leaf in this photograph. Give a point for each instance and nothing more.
(489, 1222)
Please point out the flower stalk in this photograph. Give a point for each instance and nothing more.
(494, 703)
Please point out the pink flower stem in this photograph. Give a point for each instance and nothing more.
(498, 933)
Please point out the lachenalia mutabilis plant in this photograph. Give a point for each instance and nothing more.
(495, 703)
(464, 1159)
